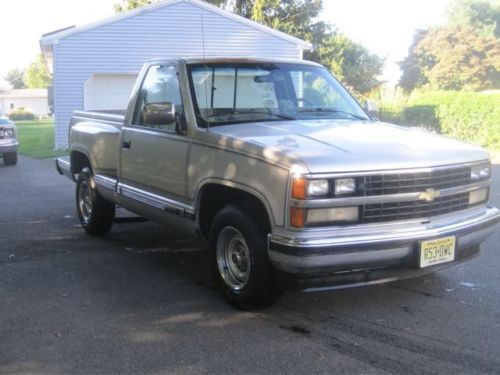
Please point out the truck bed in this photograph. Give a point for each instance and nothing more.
(110, 116)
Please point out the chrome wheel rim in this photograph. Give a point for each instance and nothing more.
(85, 200)
(233, 258)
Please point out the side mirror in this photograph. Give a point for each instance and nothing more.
(159, 113)
(372, 108)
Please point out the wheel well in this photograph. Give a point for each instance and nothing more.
(215, 197)
(79, 161)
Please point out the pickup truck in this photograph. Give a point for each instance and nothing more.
(8, 141)
(284, 173)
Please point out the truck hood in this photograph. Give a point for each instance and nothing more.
(326, 146)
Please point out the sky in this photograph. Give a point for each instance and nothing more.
(384, 26)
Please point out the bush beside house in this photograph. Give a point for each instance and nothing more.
(21, 114)
(470, 116)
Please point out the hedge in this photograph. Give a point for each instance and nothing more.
(473, 117)
(21, 114)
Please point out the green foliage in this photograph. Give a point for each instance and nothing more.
(463, 55)
(481, 15)
(469, 116)
(21, 114)
(412, 76)
(15, 78)
(421, 115)
(352, 63)
(126, 5)
(459, 59)
(37, 75)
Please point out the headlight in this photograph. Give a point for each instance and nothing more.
(317, 188)
(8, 133)
(480, 172)
(344, 186)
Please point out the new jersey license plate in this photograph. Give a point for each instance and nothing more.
(440, 250)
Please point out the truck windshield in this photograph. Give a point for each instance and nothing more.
(230, 93)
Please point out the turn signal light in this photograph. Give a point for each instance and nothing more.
(299, 188)
(297, 217)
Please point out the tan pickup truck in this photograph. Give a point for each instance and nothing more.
(284, 173)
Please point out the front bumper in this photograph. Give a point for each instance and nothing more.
(7, 146)
(375, 248)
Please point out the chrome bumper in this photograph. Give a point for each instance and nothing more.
(379, 247)
(8, 146)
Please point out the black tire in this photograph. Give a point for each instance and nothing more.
(10, 158)
(252, 285)
(96, 214)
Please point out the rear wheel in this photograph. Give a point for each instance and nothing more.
(239, 260)
(10, 158)
(96, 214)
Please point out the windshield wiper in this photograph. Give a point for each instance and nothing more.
(278, 115)
(331, 110)
(250, 112)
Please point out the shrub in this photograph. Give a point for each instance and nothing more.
(21, 114)
(470, 116)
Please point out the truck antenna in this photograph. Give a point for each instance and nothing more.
(206, 68)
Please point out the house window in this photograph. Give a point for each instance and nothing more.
(11, 106)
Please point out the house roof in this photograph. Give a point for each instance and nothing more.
(24, 93)
(52, 37)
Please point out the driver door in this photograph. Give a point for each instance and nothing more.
(154, 157)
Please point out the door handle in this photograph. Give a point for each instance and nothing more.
(127, 144)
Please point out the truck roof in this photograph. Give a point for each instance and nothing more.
(221, 60)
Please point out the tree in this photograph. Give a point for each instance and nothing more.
(126, 5)
(37, 75)
(351, 62)
(481, 15)
(412, 76)
(457, 58)
(15, 78)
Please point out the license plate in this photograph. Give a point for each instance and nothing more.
(441, 250)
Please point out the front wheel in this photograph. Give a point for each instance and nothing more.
(10, 158)
(96, 214)
(239, 260)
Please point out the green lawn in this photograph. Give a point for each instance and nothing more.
(36, 139)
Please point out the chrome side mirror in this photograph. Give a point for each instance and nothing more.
(159, 113)
(372, 108)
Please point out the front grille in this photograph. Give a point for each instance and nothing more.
(413, 182)
(380, 212)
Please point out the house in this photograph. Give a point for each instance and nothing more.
(95, 66)
(33, 100)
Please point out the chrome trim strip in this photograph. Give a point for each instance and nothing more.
(155, 200)
(392, 171)
(106, 182)
(392, 198)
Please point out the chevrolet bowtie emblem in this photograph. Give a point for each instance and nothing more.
(429, 195)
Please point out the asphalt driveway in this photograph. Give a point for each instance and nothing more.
(141, 300)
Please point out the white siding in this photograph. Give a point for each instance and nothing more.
(169, 32)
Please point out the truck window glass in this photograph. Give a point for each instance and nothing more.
(237, 93)
(161, 85)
